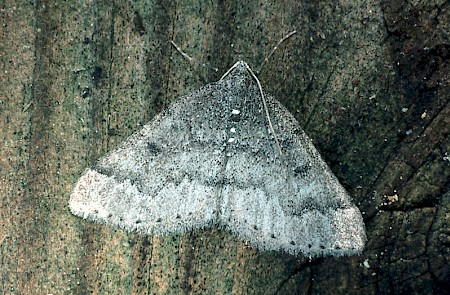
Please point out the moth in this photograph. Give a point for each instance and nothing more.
(226, 155)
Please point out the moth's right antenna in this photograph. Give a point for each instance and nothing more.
(275, 48)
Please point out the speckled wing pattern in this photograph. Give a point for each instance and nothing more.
(210, 159)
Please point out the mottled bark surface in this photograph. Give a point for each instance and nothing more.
(369, 82)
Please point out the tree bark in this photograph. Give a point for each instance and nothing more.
(368, 80)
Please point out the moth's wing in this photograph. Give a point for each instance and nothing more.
(289, 202)
(163, 178)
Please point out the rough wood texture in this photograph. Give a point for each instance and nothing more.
(369, 82)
